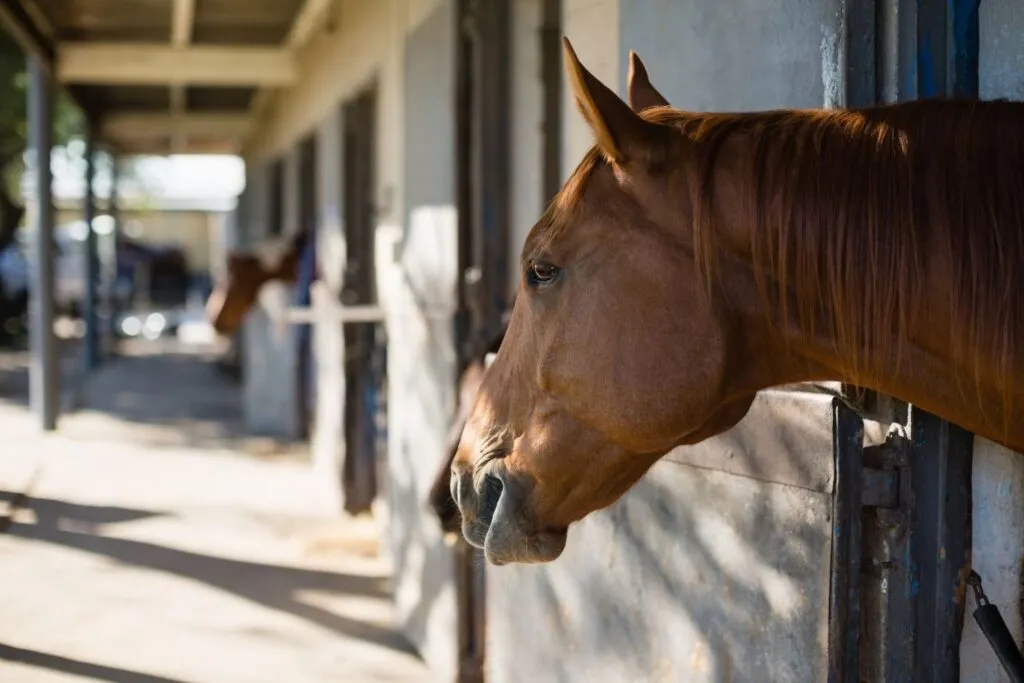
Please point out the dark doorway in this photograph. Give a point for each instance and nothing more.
(307, 223)
(365, 343)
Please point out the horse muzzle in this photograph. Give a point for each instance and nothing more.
(495, 518)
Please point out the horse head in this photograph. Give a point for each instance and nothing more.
(247, 273)
(614, 354)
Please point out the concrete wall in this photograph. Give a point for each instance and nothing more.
(327, 432)
(527, 128)
(421, 362)
(733, 56)
(405, 48)
(594, 28)
(998, 477)
(270, 382)
(695, 575)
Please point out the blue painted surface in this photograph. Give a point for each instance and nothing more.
(966, 46)
(304, 331)
(926, 68)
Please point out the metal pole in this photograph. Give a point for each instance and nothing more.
(44, 375)
(92, 260)
(113, 307)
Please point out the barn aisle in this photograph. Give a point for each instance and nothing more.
(151, 541)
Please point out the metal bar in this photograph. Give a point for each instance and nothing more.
(845, 593)
(966, 48)
(940, 542)
(551, 70)
(44, 378)
(861, 73)
(344, 314)
(466, 313)
(115, 238)
(495, 149)
(91, 352)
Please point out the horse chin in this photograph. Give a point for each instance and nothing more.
(510, 539)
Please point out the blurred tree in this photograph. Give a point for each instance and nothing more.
(69, 123)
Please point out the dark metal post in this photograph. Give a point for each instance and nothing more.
(44, 377)
(845, 608)
(92, 259)
(113, 263)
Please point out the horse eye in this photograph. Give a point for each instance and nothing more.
(541, 273)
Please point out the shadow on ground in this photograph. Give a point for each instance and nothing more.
(14, 371)
(161, 394)
(76, 667)
(273, 586)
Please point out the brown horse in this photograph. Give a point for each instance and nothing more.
(693, 260)
(247, 273)
(440, 496)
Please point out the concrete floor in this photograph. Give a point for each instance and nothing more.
(158, 544)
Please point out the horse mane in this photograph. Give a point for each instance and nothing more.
(848, 209)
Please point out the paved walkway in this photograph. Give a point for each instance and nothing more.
(157, 544)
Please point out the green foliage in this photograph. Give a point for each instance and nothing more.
(68, 120)
(69, 123)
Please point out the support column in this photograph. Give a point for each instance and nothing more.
(44, 374)
(91, 352)
(113, 264)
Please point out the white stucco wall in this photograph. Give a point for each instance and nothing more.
(269, 385)
(594, 29)
(527, 133)
(416, 280)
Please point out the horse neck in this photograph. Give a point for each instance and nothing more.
(901, 326)
(773, 351)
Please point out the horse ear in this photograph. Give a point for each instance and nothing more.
(642, 95)
(620, 133)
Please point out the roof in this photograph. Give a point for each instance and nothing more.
(162, 76)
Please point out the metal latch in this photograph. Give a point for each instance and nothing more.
(995, 630)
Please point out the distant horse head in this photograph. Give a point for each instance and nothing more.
(246, 274)
(692, 260)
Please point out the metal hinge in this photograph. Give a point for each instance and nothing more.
(882, 483)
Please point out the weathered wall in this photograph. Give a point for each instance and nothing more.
(527, 129)
(998, 476)
(713, 555)
(421, 361)
(327, 441)
(734, 56)
(270, 382)
(594, 28)
(695, 575)
(269, 385)
(405, 48)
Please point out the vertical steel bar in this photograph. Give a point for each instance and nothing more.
(44, 379)
(91, 352)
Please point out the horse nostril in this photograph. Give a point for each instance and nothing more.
(461, 487)
(490, 494)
